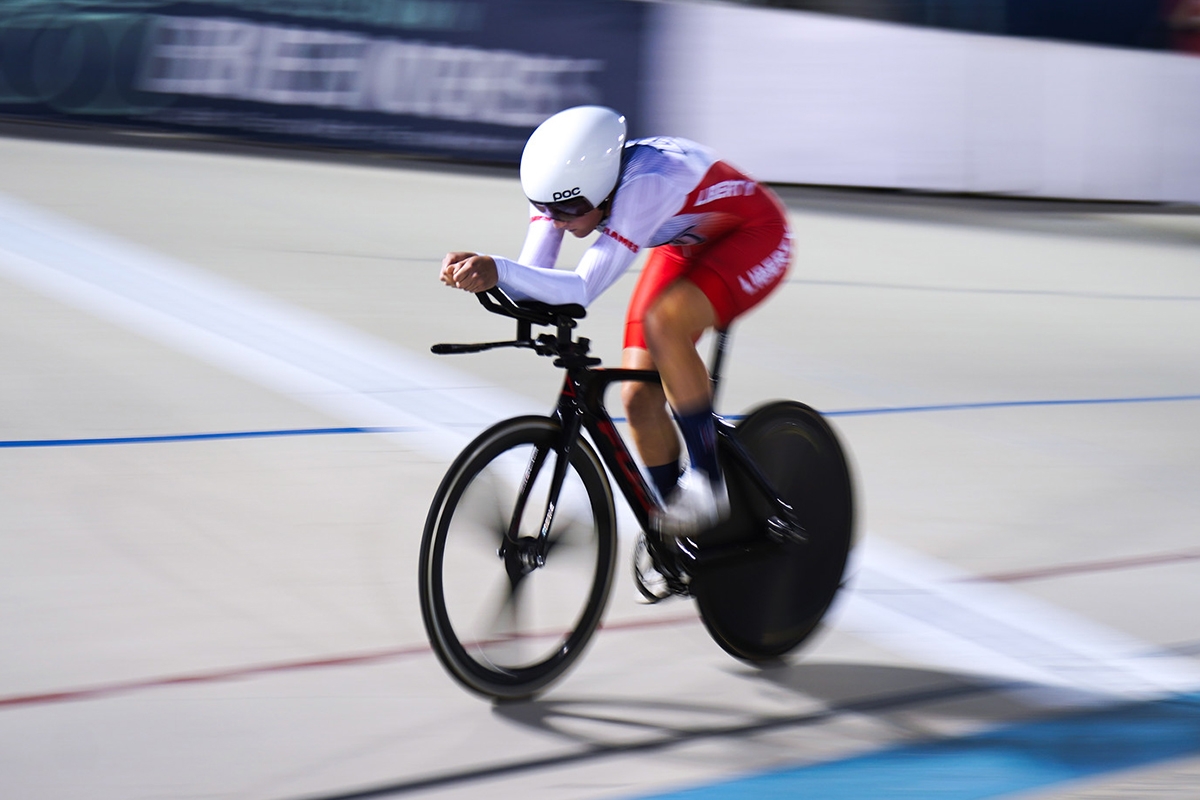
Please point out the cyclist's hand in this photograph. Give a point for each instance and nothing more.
(450, 263)
(469, 271)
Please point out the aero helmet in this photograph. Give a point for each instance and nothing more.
(574, 156)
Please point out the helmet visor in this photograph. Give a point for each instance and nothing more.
(566, 210)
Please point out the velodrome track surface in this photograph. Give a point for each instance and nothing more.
(220, 429)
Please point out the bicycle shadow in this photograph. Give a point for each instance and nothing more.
(911, 701)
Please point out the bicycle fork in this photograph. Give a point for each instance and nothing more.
(523, 555)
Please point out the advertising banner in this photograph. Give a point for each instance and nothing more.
(466, 79)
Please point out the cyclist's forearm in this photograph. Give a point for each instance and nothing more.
(601, 265)
(553, 286)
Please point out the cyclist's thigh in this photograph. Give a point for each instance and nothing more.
(739, 270)
(664, 266)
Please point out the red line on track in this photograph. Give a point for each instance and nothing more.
(208, 677)
(235, 673)
(1088, 567)
(97, 692)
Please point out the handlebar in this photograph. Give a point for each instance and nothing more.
(528, 313)
(497, 302)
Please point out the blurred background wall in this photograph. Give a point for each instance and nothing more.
(800, 97)
(1154, 24)
(463, 79)
(1044, 98)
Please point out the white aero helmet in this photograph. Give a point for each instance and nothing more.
(572, 161)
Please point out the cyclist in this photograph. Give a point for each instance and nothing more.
(719, 243)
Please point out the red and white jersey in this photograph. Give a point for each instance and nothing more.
(671, 192)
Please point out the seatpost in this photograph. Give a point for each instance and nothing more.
(718, 356)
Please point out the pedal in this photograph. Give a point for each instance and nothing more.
(656, 579)
(651, 584)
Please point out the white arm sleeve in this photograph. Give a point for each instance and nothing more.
(542, 241)
(640, 206)
(602, 264)
(555, 286)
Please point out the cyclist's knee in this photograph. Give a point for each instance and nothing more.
(663, 317)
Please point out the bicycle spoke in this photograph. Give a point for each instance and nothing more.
(570, 537)
(500, 642)
(512, 631)
(484, 512)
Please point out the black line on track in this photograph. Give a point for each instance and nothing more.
(677, 738)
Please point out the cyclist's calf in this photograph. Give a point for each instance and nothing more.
(649, 422)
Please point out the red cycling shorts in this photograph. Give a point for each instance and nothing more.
(736, 270)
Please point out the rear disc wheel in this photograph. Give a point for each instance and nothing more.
(765, 599)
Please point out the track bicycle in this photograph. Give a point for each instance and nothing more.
(520, 544)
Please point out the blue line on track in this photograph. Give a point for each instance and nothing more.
(853, 412)
(862, 412)
(1015, 758)
(865, 412)
(195, 437)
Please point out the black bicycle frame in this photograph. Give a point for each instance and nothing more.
(581, 407)
(581, 404)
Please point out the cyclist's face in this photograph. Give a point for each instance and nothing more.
(582, 225)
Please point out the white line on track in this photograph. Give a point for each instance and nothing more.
(903, 601)
(927, 610)
(301, 355)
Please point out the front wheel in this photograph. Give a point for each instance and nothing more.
(767, 597)
(504, 622)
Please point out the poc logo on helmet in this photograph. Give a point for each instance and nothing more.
(566, 195)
